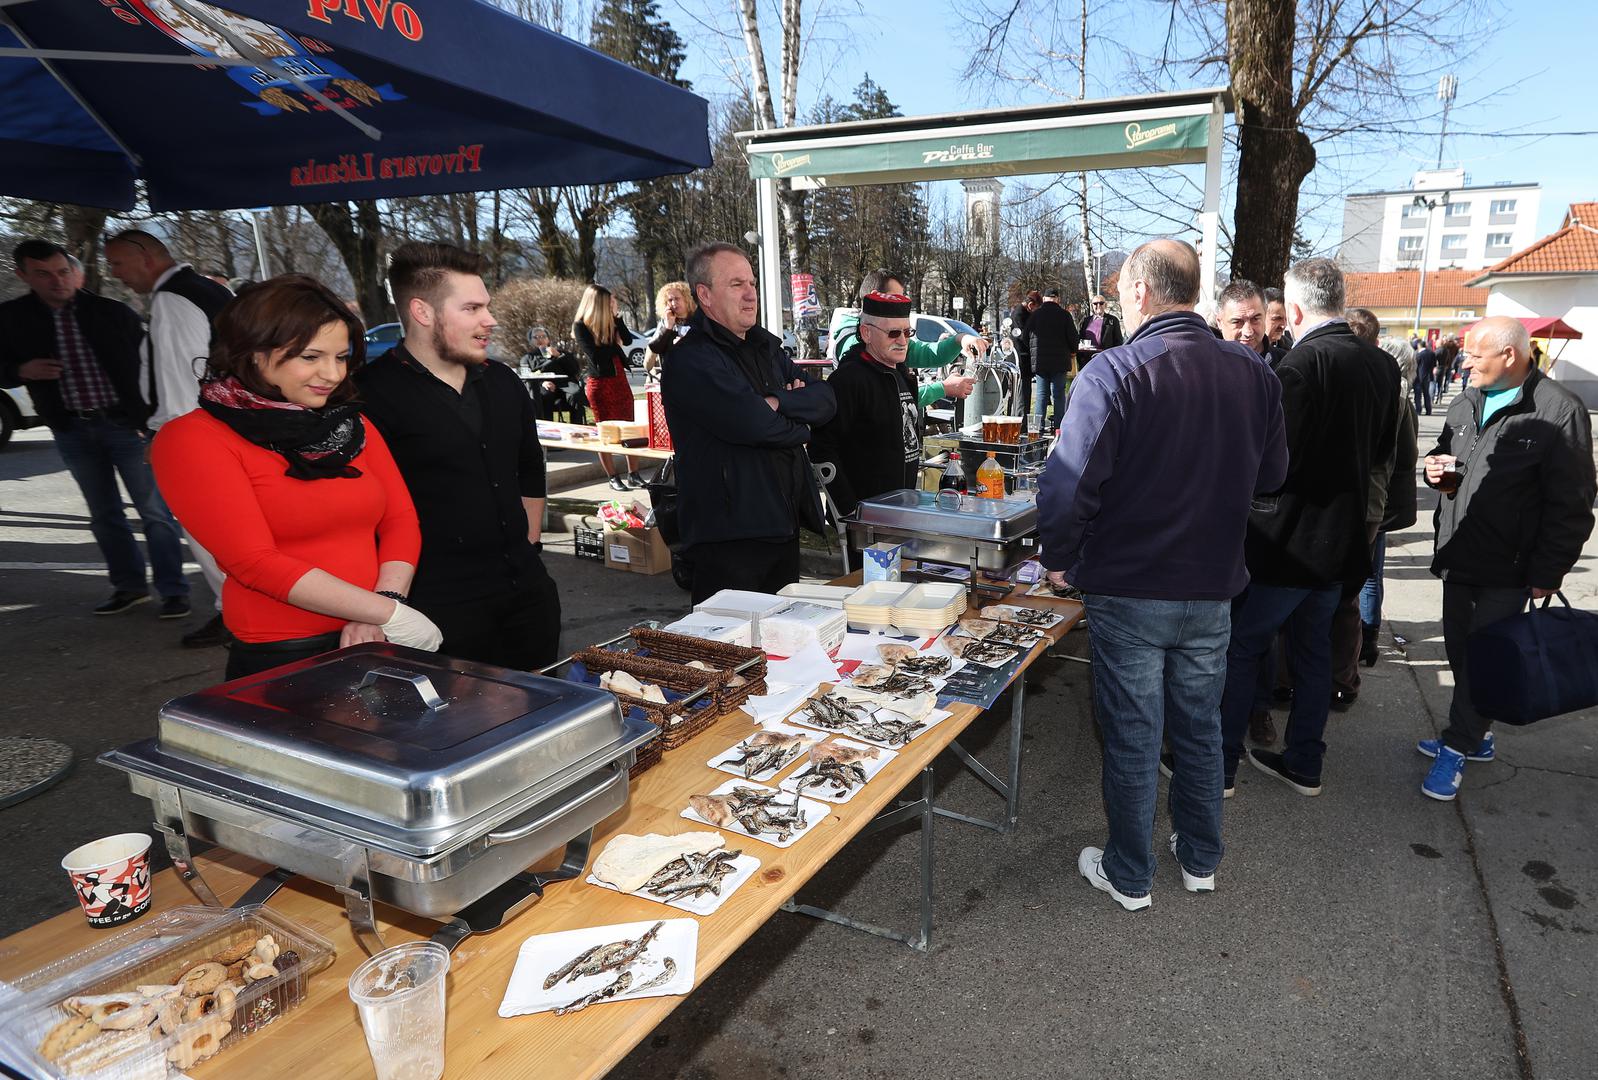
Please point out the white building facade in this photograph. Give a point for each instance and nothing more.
(1478, 226)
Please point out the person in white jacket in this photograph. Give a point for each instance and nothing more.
(183, 304)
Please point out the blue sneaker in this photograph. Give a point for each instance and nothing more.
(1442, 781)
(1484, 752)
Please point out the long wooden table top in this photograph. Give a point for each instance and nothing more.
(594, 446)
(323, 1036)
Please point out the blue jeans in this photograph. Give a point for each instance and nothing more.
(1424, 391)
(96, 452)
(1159, 666)
(1256, 616)
(1045, 387)
(1370, 596)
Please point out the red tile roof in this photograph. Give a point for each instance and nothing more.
(1571, 250)
(1396, 288)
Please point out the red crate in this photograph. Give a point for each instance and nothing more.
(659, 435)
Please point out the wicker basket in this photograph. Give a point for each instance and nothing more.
(683, 648)
(646, 758)
(678, 722)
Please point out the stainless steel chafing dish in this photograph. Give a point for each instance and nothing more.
(393, 775)
(982, 534)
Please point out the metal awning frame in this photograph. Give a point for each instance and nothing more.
(1213, 104)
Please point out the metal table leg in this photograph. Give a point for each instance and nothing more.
(924, 810)
(1009, 787)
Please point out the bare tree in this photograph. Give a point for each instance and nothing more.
(1304, 76)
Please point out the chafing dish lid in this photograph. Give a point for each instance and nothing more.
(407, 738)
(913, 511)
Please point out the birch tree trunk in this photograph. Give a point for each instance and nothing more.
(1082, 178)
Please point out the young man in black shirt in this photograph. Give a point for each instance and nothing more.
(465, 435)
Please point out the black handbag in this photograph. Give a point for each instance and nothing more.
(1540, 663)
(663, 499)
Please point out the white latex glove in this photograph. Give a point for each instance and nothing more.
(411, 628)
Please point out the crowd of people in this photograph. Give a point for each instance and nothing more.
(1214, 490)
(1219, 493)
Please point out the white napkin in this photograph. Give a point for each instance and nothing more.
(809, 665)
(781, 701)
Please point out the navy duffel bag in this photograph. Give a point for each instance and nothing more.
(1540, 663)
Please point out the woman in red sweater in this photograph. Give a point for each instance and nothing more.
(277, 475)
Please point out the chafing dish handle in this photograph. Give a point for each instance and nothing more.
(422, 684)
(618, 775)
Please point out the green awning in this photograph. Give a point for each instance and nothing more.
(855, 159)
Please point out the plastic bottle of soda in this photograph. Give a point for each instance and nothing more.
(990, 479)
(953, 475)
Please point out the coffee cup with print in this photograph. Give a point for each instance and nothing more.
(111, 878)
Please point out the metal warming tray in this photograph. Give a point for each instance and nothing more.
(393, 775)
(984, 534)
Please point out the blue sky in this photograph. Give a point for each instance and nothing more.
(1534, 85)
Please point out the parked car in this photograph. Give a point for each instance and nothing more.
(934, 328)
(790, 342)
(635, 349)
(16, 413)
(381, 338)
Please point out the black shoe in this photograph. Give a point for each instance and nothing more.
(211, 634)
(1368, 652)
(1270, 764)
(174, 607)
(1343, 700)
(618, 484)
(638, 482)
(120, 601)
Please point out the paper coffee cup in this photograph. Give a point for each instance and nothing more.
(111, 878)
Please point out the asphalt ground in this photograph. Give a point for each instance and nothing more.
(1368, 933)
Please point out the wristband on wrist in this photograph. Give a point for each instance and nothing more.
(398, 598)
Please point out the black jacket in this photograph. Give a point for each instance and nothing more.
(742, 473)
(1110, 336)
(1340, 403)
(1401, 510)
(874, 441)
(602, 361)
(467, 484)
(1018, 332)
(112, 330)
(1051, 339)
(1524, 505)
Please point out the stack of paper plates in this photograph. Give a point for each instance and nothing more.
(927, 609)
(870, 607)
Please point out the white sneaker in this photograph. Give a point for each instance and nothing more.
(1192, 882)
(1089, 863)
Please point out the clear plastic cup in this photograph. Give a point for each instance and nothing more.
(400, 996)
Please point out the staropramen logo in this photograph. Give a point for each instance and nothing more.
(782, 164)
(1136, 136)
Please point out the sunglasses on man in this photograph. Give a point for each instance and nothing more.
(893, 335)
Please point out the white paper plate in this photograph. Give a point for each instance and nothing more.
(544, 953)
(743, 868)
(927, 723)
(871, 766)
(815, 813)
(723, 761)
(1007, 612)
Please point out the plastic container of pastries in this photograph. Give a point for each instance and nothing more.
(97, 1013)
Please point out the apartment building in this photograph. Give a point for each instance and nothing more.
(1477, 226)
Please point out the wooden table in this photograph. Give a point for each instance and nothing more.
(594, 446)
(323, 1037)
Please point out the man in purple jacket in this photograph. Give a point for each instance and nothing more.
(1143, 508)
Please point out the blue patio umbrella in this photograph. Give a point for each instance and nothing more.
(246, 103)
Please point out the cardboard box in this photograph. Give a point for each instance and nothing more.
(881, 562)
(640, 551)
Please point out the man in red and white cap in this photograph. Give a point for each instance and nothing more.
(874, 441)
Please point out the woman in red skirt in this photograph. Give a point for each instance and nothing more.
(601, 338)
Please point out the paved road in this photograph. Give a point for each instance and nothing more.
(1367, 933)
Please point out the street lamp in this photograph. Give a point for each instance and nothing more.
(1425, 245)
